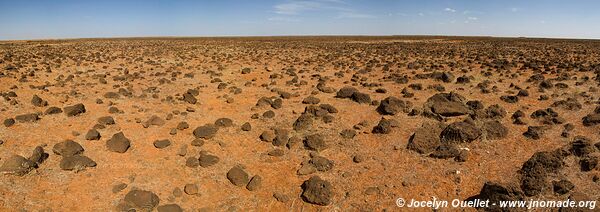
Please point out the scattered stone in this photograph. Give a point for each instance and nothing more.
(30, 117)
(207, 160)
(17, 165)
(76, 162)
(246, 127)
(392, 106)
(161, 144)
(9, 122)
(141, 199)
(562, 186)
(317, 191)
(238, 176)
(118, 143)
(67, 148)
(254, 183)
(74, 110)
(191, 189)
(53, 110)
(169, 208)
(207, 131)
(315, 142)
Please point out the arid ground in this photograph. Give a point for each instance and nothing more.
(296, 123)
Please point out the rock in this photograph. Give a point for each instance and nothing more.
(463, 131)
(426, 138)
(535, 132)
(315, 142)
(303, 122)
(562, 186)
(392, 106)
(141, 199)
(237, 176)
(207, 160)
(106, 120)
(192, 162)
(154, 121)
(509, 99)
(535, 171)
(384, 126)
(118, 143)
(449, 109)
(92, 134)
(321, 163)
(254, 183)
(17, 165)
(183, 125)
(495, 193)
(281, 197)
(67, 148)
(246, 127)
(119, 187)
(317, 191)
(161, 144)
(74, 110)
(582, 146)
(346, 92)
(445, 151)
(361, 98)
(9, 122)
(281, 137)
(169, 208)
(348, 133)
(38, 156)
(38, 102)
(207, 131)
(53, 110)
(267, 136)
(224, 122)
(191, 189)
(197, 142)
(495, 130)
(591, 119)
(30, 117)
(311, 100)
(589, 163)
(76, 162)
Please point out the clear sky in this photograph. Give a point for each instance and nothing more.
(30, 19)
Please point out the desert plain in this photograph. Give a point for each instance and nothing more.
(320, 123)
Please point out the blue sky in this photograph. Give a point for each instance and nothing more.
(29, 19)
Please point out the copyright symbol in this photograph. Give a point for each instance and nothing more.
(400, 202)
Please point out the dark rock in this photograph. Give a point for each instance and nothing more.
(315, 142)
(238, 176)
(384, 126)
(361, 98)
(562, 186)
(53, 110)
(17, 165)
(76, 162)
(169, 208)
(392, 106)
(510, 99)
(321, 163)
(591, 119)
(346, 92)
(31, 117)
(496, 193)
(281, 137)
(67, 148)
(463, 131)
(445, 151)
(160, 144)
(254, 183)
(588, 163)
(535, 171)
(246, 127)
(118, 143)
(9, 122)
(426, 138)
(38, 102)
(311, 100)
(191, 189)
(317, 191)
(141, 199)
(92, 134)
(495, 130)
(303, 122)
(207, 160)
(198, 142)
(74, 110)
(183, 125)
(582, 146)
(207, 131)
(106, 120)
(224, 122)
(535, 132)
(348, 133)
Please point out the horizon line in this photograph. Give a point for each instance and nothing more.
(295, 35)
